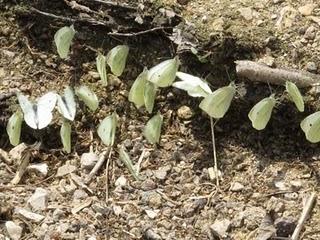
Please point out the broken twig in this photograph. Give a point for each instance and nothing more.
(134, 34)
(304, 215)
(98, 165)
(259, 72)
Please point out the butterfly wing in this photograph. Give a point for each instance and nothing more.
(102, 68)
(260, 114)
(150, 91)
(65, 134)
(153, 129)
(67, 104)
(136, 94)
(63, 38)
(295, 95)
(44, 108)
(28, 109)
(107, 129)
(218, 103)
(163, 74)
(117, 58)
(14, 128)
(88, 97)
(310, 126)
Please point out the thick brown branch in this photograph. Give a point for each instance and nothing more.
(261, 73)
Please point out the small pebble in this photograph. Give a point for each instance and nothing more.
(311, 67)
(220, 228)
(185, 112)
(39, 200)
(307, 9)
(89, 160)
(14, 230)
(236, 187)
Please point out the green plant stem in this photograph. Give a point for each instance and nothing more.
(215, 162)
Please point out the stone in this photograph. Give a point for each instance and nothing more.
(34, 217)
(220, 228)
(160, 174)
(246, 13)
(151, 235)
(41, 168)
(152, 213)
(148, 185)
(307, 9)
(185, 112)
(58, 214)
(121, 181)
(65, 169)
(311, 67)
(14, 230)
(236, 187)
(88, 160)
(79, 194)
(284, 226)
(117, 210)
(310, 33)
(39, 200)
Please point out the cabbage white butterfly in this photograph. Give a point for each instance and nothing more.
(163, 74)
(153, 129)
(295, 95)
(136, 94)
(89, 98)
(311, 127)
(65, 134)
(107, 129)
(116, 59)
(66, 104)
(150, 91)
(63, 38)
(38, 115)
(217, 103)
(14, 128)
(260, 114)
(193, 85)
(124, 157)
(102, 68)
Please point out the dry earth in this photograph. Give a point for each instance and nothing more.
(267, 175)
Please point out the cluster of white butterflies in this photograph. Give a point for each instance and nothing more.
(38, 115)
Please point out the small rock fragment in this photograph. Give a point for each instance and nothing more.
(284, 226)
(307, 9)
(148, 185)
(41, 168)
(310, 33)
(217, 24)
(89, 160)
(185, 112)
(311, 67)
(65, 169)
(220, 228)
(14, 230)
(246, 13)
(79, 194)
(38, 201)
(236, 187)
(29, 215)
(152, 213)
(149, 234)
(58, 214)
(117, 210)
(154, 200)
(268, 60)
(160, 174)
(121, 181)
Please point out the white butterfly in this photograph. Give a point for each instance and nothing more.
(38, 115)
(67, 104)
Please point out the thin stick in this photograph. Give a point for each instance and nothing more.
(138, 33)
(115, 4)
(98, 165)
(22, 167)
(261, 73)
(305, 213)
(107, 175)
(215, 162)
(140, 160)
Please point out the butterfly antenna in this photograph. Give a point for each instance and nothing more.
(226, 68)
